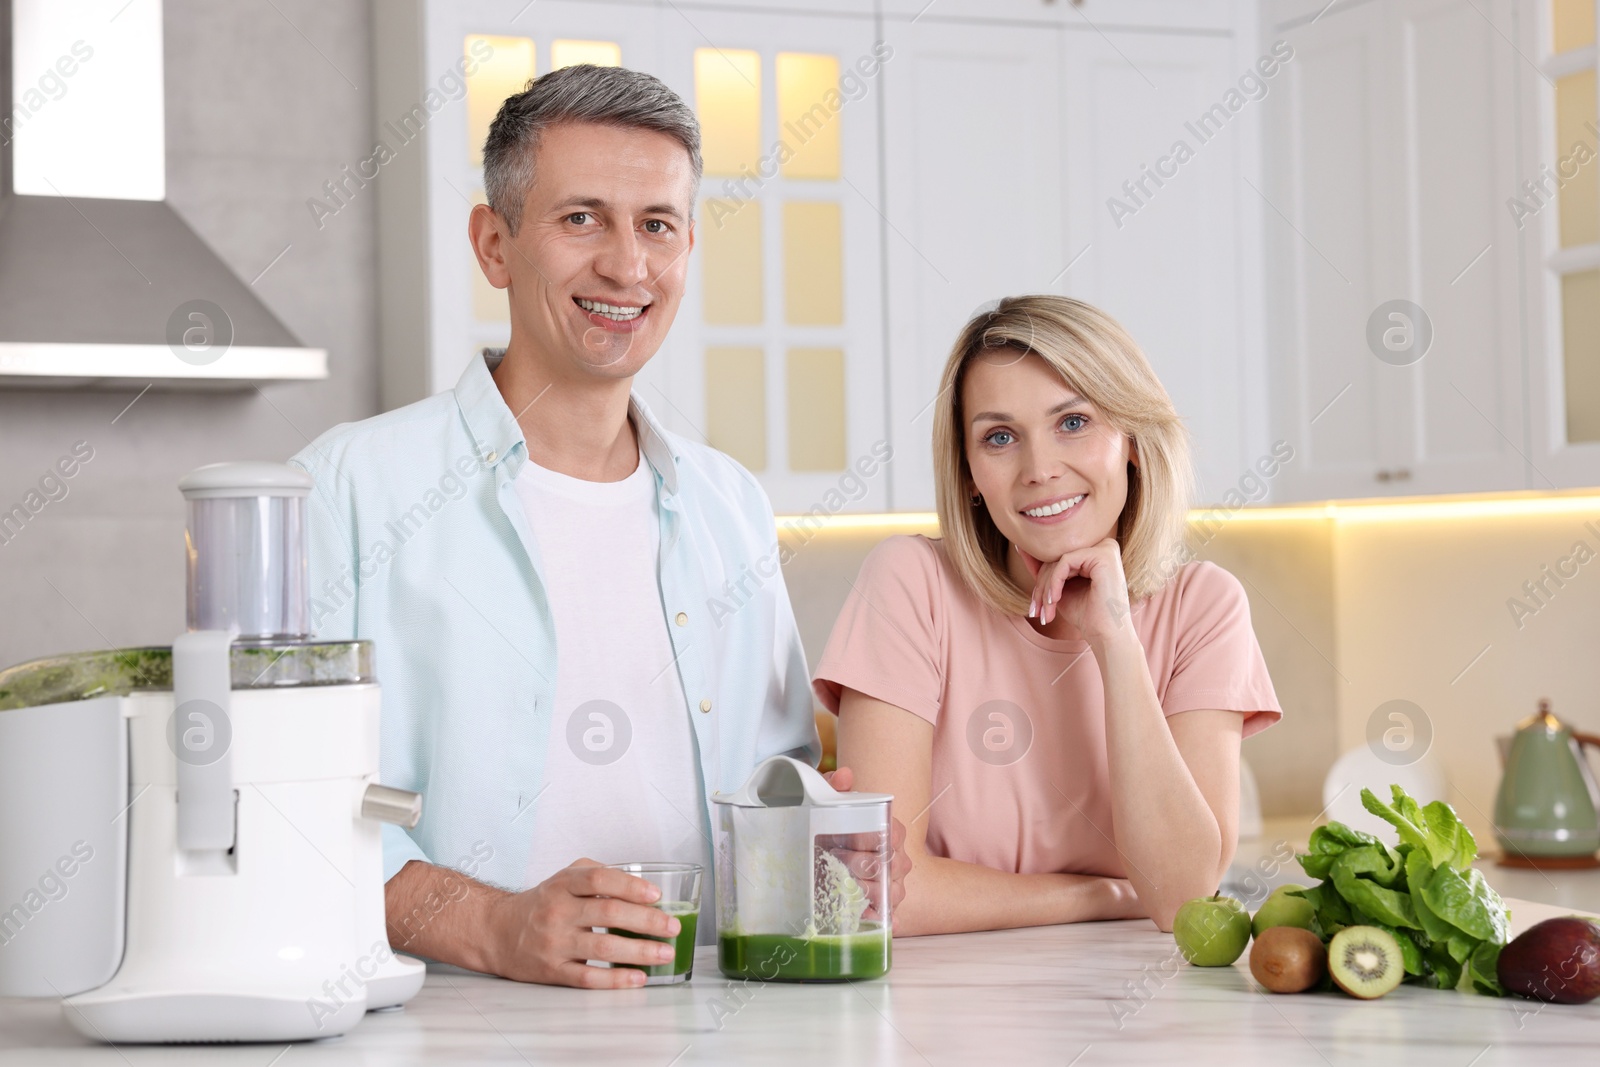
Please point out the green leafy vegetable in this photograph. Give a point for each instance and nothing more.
(1434, 828)
(1467, 903)
(1446, 971)
(1449, 923)
(1363, 877)
(1481, 968)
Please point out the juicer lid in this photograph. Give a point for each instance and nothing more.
(246, 479)
(784, 782)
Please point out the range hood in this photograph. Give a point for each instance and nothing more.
(96, 289)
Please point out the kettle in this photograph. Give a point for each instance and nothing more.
(1547, 812)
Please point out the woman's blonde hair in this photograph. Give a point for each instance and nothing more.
(1095, 357)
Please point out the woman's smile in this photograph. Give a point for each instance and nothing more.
(1057, 510)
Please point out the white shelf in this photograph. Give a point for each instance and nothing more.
(51, 364)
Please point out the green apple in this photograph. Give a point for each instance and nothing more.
(1280, 909)
(1212, 931)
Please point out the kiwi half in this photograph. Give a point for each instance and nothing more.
(1365, 961)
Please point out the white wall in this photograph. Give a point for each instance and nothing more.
(1417, 601)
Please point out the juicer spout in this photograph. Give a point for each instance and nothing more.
(383, 803)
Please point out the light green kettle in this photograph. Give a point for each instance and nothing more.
(1548, 806)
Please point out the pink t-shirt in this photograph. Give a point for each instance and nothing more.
(1020, 778)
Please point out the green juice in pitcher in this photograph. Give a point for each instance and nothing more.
(683, 963)
(818, 958)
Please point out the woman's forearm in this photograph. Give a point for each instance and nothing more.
(945, 896)
(1165, 830)
(890, 750)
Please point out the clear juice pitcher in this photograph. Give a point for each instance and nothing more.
(803, 878)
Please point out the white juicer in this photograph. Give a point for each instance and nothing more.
(189, 839)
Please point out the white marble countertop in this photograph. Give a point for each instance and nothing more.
(1087, 994)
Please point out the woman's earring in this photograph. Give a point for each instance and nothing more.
(977, 498)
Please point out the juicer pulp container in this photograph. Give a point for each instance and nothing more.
(802, 877)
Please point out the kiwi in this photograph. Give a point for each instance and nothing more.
(1288, 959)
(1365, 961)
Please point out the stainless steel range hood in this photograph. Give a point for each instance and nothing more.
(99, 291)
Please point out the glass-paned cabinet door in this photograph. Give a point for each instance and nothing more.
(777, 354)
(1557, 212)
(1575, 148)
(499, 47)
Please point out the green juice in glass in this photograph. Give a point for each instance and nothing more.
(819, 958)
(683, 964)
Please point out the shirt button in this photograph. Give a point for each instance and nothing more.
(705, 705)
(491, 457)
(682, 619)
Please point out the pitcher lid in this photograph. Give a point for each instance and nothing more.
(785, 782)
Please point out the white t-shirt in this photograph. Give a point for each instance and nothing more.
(622, 780)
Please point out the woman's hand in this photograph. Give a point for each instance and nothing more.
(859, 851)
(1086, 587)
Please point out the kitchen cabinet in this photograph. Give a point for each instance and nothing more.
(1392, 153)
(776, 353)
(973, 144)
(1163, 15)
(1556, 205)
(973, 151)
(1160, 211)
(1009, 153)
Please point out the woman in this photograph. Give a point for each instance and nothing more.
(1052, 694)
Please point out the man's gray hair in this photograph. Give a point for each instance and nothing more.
(611, 96)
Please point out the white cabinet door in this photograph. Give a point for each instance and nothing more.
(1329, 173)
(1387, 158)
(974, 203)
(1021, 161)
(1157, 130)
(1463, 413)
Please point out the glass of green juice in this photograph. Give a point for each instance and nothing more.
(680, 897)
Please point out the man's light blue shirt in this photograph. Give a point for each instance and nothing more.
(419, 543)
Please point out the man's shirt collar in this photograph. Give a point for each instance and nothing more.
(499, 439)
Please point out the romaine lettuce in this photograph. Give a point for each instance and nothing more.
(1449, 923)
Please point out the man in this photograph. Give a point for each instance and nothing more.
(533, 555)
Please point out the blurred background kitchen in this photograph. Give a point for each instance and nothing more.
(1359, 241)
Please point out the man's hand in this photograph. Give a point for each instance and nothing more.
(861, 856)
(543, 934)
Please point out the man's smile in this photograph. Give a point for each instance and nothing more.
(613, 317)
